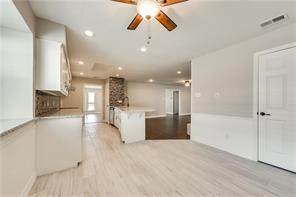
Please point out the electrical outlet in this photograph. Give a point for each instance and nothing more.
(217, 95)
(197, 94)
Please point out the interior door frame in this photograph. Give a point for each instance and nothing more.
(84, 100)
(179, 103)
(256, 84)
(180, 92)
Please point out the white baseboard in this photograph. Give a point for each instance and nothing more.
(28, 186)
(169, 112)
(156, 116)
(185, 114)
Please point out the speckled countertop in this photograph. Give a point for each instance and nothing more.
(63, 113)
(9, 125)
(135, 109)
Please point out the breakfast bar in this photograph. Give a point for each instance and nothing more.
(130, 122)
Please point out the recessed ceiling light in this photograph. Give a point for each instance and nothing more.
(80, 62)
(143, 49)
(89, 33)
(81, 73)
(179, 72)
(117, 75)
(119, 68)
(151, 80)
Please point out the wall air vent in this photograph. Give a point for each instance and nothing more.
(274, 20)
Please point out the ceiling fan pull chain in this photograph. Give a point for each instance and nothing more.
(149, 33)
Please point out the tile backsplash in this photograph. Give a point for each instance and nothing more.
(116, 91)
(46, 103)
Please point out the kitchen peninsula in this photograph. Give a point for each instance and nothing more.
(130, 122)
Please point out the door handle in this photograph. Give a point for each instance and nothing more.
(264, 114)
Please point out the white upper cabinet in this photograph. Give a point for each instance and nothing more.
(52, 68)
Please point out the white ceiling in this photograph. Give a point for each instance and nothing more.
(203, 26)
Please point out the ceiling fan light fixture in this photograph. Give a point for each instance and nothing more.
(148, 9)
(187, 83)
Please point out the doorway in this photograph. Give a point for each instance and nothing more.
(277, 108)
(176, 102)
(172, 102)
(93, 103)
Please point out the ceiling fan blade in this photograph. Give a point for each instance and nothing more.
(166, 21)
(126, 1)
(135, 23)
(171, 2)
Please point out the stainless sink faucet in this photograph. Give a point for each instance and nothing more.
(126, 98)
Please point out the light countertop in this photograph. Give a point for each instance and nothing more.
(63, 113)
(135, 109)
(9, 125)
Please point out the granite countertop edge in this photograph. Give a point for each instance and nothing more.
(135, 109)
(63, 113)
(16, 127)
(57, 115)
(60, 117)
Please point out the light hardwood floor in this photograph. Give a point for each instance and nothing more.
(165, 168)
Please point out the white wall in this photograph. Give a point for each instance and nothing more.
(16, 74)
(169, 100)
(25, 10)
(17, 149)
(17, 166)
(76, 97)
(153, 95)
(222, 99)
(49, 30)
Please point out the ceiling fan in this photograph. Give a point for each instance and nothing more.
(149, 9)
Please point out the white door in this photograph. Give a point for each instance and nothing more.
(277, 108)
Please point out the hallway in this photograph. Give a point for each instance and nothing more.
(93, 118)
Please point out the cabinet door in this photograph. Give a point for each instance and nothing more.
(48, 65)
(117, 118)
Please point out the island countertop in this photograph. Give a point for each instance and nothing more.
(135, 109)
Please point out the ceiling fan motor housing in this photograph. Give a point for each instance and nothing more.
(148, 9)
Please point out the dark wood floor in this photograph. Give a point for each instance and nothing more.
(170, 127)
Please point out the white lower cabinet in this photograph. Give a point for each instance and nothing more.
(130, 122)
(117, 118)
(58, 144)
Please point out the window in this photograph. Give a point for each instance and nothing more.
(91, 101)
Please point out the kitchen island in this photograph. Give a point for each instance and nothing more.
(130, 122)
